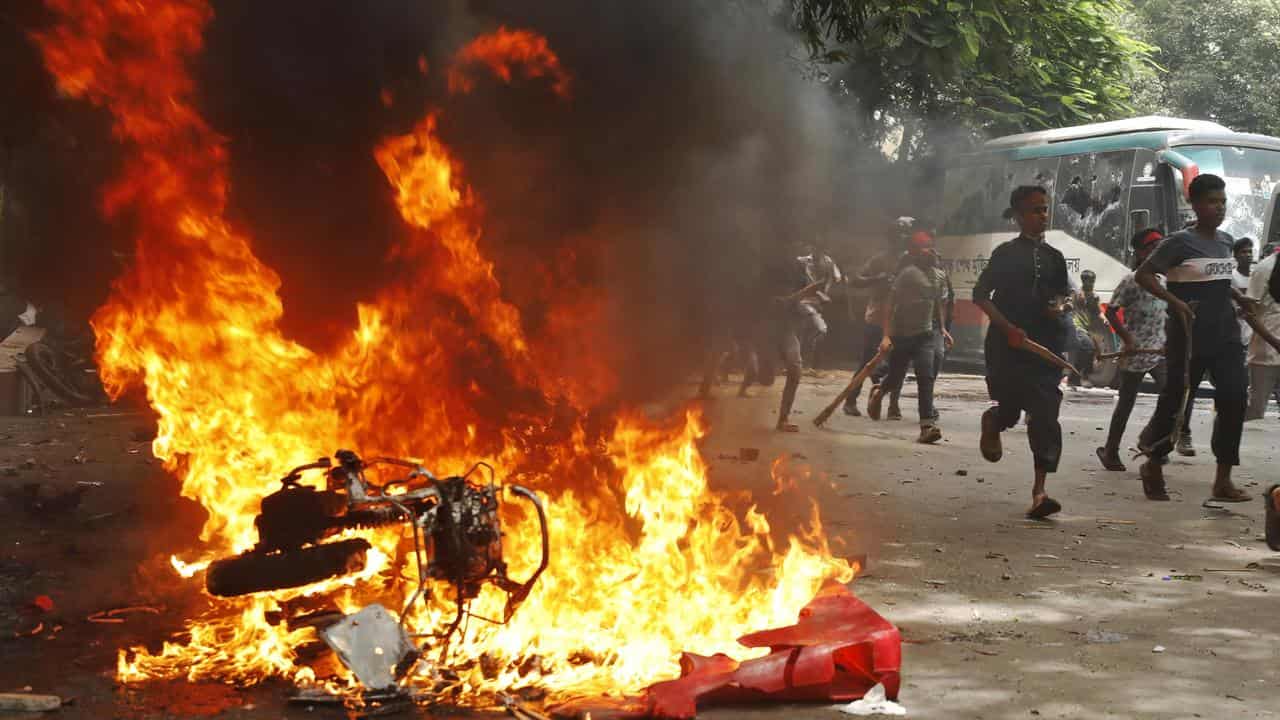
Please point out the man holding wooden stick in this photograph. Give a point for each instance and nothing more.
(1021, 291)
(1204, 337)
(782, 287)
(913, 318)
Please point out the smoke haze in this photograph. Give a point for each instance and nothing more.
(692, 143)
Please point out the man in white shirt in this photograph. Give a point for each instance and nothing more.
(1243, 252)
(1263, 359)
(1264, 369)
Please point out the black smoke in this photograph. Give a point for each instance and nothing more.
(696, 140)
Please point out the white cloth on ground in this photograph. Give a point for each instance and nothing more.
(873, 703)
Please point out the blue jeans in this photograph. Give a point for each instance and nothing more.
(920, 351)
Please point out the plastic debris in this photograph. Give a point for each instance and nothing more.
(838, 650)
(373, 645)
(873, 703)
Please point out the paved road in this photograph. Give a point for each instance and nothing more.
(1007, 618)
(1004, 618)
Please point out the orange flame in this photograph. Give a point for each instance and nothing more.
(646, 559)
(504, 49)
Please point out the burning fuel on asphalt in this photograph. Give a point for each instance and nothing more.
(645, 559)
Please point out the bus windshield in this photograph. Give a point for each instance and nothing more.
(1250, 173)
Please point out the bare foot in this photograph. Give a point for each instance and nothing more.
(788, 427)
(1225, 490)
(1229, 493)
(1152, 475)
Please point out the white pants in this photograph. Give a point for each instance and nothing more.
(1263, 380)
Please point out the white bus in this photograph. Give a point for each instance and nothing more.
(1105, 181)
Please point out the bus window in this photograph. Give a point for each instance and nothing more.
(1146, 199)
(1092, 200)
(1036, 171)
(970, 202)
(1250, 174)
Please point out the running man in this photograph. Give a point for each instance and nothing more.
(1198, 265)
(1021, 290)
(1140, 328)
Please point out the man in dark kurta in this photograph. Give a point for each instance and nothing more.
(1019, 291)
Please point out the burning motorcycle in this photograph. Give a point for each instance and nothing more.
(457, 534)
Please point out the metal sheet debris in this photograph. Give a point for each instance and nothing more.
(373, 645)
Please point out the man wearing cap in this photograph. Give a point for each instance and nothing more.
(1087, 325)
(1021, 290)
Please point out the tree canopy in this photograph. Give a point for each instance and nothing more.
(931, 67)
(1216, 61)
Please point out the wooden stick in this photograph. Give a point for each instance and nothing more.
(1047, 355)
(802, 292)
(1180, 420)
(859, 378)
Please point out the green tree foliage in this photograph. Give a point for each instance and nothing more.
(1216, 61)
(990, 66)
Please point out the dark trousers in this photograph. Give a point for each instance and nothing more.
(1081, 352)
(872, 334)
(920, 351)
(1129, 383)
(1230, 395)
(776, 340)
(1020, 382)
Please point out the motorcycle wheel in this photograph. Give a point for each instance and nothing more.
(261, 572)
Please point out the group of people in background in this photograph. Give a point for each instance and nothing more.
(1192, 305)
(1188, 310)
(907, 324)
(910, 295)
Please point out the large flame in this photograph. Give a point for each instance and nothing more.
(646, 559)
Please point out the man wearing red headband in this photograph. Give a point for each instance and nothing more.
(1140, 328)
(912, 319)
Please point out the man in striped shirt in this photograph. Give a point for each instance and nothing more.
(1198, 266)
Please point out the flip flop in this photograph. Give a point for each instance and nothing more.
(1272, 519)
(1109, 462)
(1238, 497)
(1047, 507)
